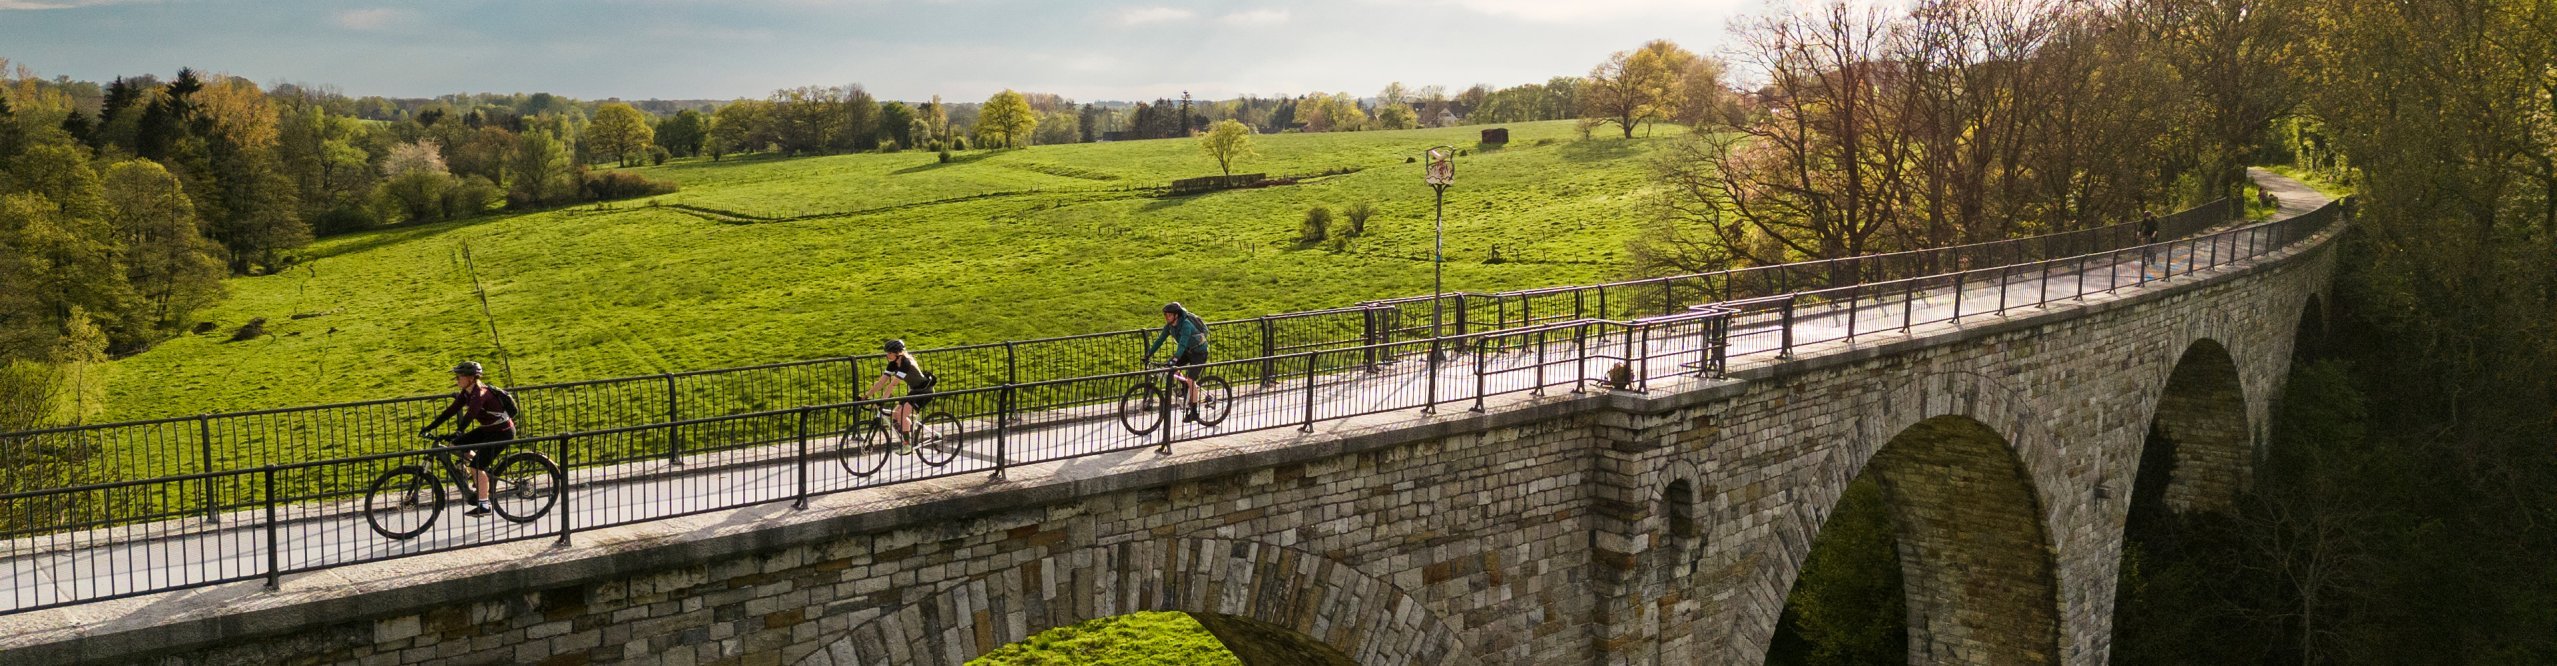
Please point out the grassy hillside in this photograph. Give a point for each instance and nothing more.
(599, 292)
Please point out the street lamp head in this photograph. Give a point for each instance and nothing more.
(1439, 167)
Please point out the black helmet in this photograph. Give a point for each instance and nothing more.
(467, 368)
(1174, 308)
(894, 347)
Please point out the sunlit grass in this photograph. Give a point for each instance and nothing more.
(588, 292)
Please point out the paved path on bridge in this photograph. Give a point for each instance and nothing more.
(79, 566)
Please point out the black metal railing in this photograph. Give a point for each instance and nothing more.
(209, 443)
(109, 540)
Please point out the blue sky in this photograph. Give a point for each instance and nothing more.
(910, 49)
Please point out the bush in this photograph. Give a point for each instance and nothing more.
(1318, 223)
(413, 196)
(658, 155)
(250, 331)
(471, 197)
(345, 217)
(889, 146)
(1341, 234)
(611, 185)
(959, 143)
(1358, 214)
(945, 156)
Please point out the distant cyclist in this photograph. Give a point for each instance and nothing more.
(490, 415)
(901, 366)
(1189, 335)
(2148, 236)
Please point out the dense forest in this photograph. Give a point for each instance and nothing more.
(2402, 511)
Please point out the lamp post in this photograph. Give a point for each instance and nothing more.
(1438, 169)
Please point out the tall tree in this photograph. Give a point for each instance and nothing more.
(1225, 142)
(1633, 87)
(683, 133)
(170, 265)
(1006, 120)
(620, 132)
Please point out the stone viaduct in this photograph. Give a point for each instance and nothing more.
(1599, 528)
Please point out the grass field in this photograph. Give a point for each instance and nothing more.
(1135, 639)
(593, 292)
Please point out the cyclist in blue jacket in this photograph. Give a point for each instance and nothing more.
(1189, 335)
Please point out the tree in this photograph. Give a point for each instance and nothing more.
(170, 265)
(1397, 116)
(619, 131)
(544, 171)
(1632, 87)
(683, 133)
(896, 125)
(414, 184)
(1006, 120)
(740, 127)
(1393, 94)
(1225, 142)
(1060, 127)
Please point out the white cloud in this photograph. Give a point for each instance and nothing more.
(369, 19)
(1578, 11)
(58, 4)
(1147, 15)
(1256, 17)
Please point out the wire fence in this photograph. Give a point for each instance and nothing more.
(124, 538)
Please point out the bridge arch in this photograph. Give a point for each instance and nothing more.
(2198, 444)
(2308, 340)
(1967, 473)
(1271, 604)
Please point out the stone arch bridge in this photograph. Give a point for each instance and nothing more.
(1663, 527)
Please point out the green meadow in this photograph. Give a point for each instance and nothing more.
(762, 259)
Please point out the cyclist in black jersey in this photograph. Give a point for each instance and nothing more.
(489, 414)
(901, 367)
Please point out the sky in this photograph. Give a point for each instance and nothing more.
(906, 49)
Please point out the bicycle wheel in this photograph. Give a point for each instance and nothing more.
(936, 440)
(864, 448)
(1140, 408)
(525, 485)
(1217, 399)
(403, 502)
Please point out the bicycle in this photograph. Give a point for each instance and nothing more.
(864, 447)
(404, 502)
(1141, 412)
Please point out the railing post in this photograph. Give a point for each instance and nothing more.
(1539, 390)
(1908, 294)
(2042, 292)
(1785, 349)
(1171, 391)
(802, 461)
(1642, 372)
(565, 527)
(1722, 345)
(2080, 279)
(1011, 364)
(2003, 273)
(1580, 362)
(2113, 270)
(1367, 336)
(1958, 277)
(204, 438)
(1481, 363)
(2215, 250)
(1309, 393)
(1002, 430)
(1853, 294)
(274, 541)
(1429, 405)
(1460, 318)
(674, 435)
(1269, 348)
